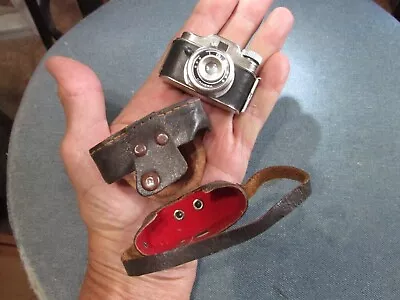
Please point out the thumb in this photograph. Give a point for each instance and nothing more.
(82, 98)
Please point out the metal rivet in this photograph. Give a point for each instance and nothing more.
(198, 204)
(162, 138)
(179, 214)
(140, 150)
(150, 181)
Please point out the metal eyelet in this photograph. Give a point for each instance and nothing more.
(179, 214)
(198, 204)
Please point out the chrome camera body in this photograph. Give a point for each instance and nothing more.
(213, 69)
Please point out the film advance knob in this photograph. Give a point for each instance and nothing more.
(252, 55)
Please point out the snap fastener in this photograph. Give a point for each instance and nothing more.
(140, 150)
(150, 181)
(162, 138)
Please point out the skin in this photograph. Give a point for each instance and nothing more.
(113, 213)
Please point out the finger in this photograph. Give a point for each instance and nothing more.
(82, 98)
(272, 34)
(268, 40)
(208, 17)
(247, 126)
(245, 21)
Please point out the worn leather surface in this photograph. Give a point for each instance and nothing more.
(117, 156)
(195, 155)
(137, 264)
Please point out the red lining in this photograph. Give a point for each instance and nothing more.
(222, 207)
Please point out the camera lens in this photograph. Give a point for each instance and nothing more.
(210, 71)
(211, 68)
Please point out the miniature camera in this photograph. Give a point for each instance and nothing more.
(213, 69)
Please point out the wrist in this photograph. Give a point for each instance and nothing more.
(106, 278)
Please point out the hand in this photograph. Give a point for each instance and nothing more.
(113, 213)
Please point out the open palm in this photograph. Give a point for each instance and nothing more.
(113, 213)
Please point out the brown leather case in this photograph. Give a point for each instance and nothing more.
(137, 264)
(157, 151)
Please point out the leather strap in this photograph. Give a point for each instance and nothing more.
(137, 264)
